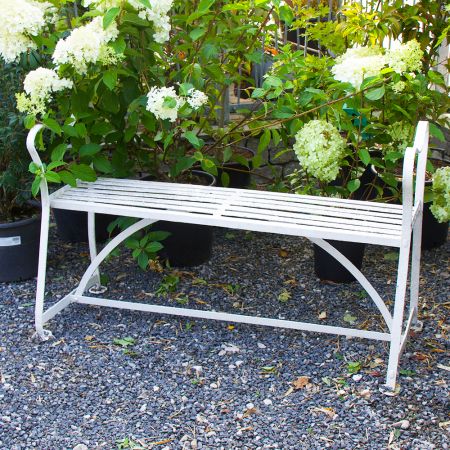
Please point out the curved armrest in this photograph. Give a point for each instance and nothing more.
(31, 139)
(31, 147)
(421, 148)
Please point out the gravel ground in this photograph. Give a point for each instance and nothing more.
(115, 379)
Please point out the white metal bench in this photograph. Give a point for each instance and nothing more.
(316, 218)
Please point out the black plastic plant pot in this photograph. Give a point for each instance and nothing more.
(238, 175)
(72, 225)
(434, 234)
(329, 269)
(188, 245)
(19, 249)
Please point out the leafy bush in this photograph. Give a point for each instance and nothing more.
(14, 158)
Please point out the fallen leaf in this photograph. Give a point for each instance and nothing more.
(283, 253)
(441, 366)
(230, 327)
(250, 412)
(284, 296)
(330, 412)
(349, 318)
(300, 382)
(88, 338)
(322, 315)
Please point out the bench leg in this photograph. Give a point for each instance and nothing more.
(415, 268)
(397, 320)
(107, 249)
(95, 280)
(42, 268)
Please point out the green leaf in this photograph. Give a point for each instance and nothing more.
(69, 130)
(53, 125)
(142, 260)
(227, 153)
(125, 342)
(110, 16)
(29, 121)
(197, 33)
(349, 318)
(193, 139)
(110, 79)
(52, 177)
(36, 186)
(67, 178)
(436, 132)
(364, 156)
(224, 179)
(375, 94)
(170, 102)
(58, 152)
(158, 235)
(154, 247)
(55, 164)
(264, 141)
(83, 172)
(353, 185)
(102, 164)
(89, 149)
(101, 128)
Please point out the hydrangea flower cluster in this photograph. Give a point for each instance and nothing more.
(401, 134)
(362, 62)
(405, 58)
(165, 103)
(87, 45)
(358, 63)
(20, 20)
(157, 13)
(441, 194)
(320, 149)
(39, 84)
(196, 99)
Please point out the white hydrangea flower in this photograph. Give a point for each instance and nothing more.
(164, 103)
(196, 99)
(38, 85)
(157, 13)
(320, 149)
(87, 45)
(406, 57)
(21, 19)
(358, 63)
(441, 194)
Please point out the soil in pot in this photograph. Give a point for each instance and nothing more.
(188, 245)
(329, 269)
(72, 225)
(19, 249)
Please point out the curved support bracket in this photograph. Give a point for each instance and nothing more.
(363, 281)
(91, 270)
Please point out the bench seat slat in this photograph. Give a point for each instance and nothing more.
(319, 220)
(301, 215)
(244, 194)
(307, 208)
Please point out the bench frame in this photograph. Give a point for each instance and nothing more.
(397, 331)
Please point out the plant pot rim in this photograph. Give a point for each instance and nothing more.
(20, 222)
(24, 221)
(399, 178)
